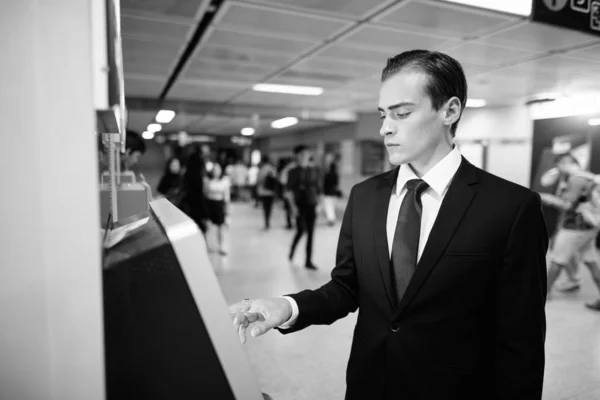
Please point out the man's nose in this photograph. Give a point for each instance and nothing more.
(386, 127)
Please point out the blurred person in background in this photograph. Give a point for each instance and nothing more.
(331, 190)
(303, 191)
(170, 183)
(590, 211)
(284, 169)
(239, 176)
(251, 184)
(218, 199)
(576, 236)
(193, 198)
(267, 186)
(135, 147)
(570, 177)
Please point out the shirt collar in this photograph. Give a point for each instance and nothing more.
(438, 178)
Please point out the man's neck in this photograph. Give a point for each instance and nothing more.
(430, 159)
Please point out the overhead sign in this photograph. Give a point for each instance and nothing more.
(580, 15)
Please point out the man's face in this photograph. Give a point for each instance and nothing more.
(304, 158)
(132, 158)
(410, 124)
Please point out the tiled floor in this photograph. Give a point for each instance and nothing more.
(311, 364)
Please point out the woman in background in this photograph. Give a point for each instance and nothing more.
(218, 194)
(170, 182)
(267, 187)
(331, 191)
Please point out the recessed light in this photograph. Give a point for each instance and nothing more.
(284, 122)
(165, 116)
(288, 89)
(148, 135)
(154, 128)
(248, 131)
(594, 121)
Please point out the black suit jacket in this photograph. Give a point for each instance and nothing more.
(471, 324)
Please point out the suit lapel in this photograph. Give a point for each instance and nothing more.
(382, 202)
(454, 206)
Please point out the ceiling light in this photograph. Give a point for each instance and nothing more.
(284, 122)
(148, 135)
(248, 131)
(165, 116)
(517, 7)
(475, 103)
(288, 89)
(154, 128)
(594, 122)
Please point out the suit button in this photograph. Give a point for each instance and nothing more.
(394, 327)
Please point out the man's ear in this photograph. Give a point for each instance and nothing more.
(453, 110)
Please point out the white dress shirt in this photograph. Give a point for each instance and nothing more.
(438, 178)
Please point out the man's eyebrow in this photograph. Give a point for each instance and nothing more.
(394, 106)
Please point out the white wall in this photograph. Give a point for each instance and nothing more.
(511, 161)
(51, 340)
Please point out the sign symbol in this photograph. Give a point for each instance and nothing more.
(555, 5)
(595, 16)
(581, 5)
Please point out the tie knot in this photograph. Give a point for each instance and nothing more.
(417, 185)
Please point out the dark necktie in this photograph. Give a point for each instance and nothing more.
(406, 237)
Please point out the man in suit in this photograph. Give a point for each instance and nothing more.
(303, 191)
(444, 261)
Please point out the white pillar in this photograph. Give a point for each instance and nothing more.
(51, 339)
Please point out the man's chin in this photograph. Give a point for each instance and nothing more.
(397, 159)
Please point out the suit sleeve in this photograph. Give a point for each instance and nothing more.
(339, 296)
(520, 319)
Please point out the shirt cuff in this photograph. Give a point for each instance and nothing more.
(290, 322)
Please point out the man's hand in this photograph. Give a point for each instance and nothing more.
(266, 314)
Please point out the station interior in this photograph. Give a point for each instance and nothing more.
(111, 289)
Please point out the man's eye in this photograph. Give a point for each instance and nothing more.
(382, 116)
(402, 115)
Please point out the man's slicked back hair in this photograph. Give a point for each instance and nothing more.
(446, 76)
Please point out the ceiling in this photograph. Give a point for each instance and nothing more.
(339, 45)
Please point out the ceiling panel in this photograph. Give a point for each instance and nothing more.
(272, 99)
(356, 55)
(338, 67)
(203, 91)
(591, 53)
(224, 38)
(556, 68)
(392, 42)
(147, 65)
(242, 55)
(478, 54)
(209, 121)
(177, 8)
(539, 38)
(139, 47)
(443, 19)
(154, 30)
(220, 70)
(343, 8)
(143, 86)
(279, 23)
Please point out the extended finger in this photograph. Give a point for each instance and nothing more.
(242, 331)
(238, 319)
(239, 308)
